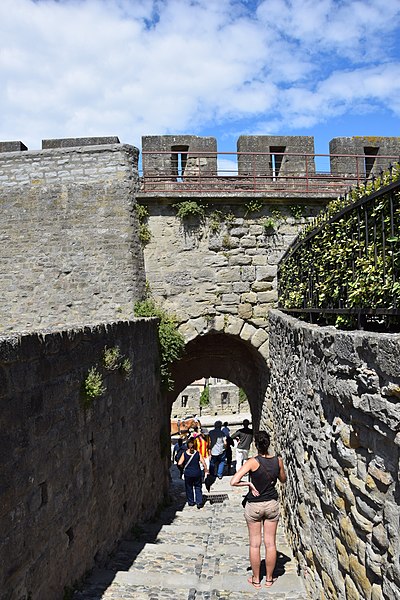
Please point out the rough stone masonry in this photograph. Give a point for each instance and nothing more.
(336, 413)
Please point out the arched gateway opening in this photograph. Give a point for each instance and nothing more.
(228, 357)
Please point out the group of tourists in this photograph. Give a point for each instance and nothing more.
(203, 457)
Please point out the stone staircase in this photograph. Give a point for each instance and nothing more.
(192, 554)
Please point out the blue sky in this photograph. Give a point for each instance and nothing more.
(74, 68)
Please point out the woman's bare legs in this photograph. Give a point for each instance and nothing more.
(270, 549)
(255, 543)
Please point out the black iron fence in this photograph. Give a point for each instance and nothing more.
(349, 263)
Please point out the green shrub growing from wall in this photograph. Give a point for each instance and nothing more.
(92, 387)
(189, 208)
(253, 206)
(171, 340)
(144, 231)
(113, 360)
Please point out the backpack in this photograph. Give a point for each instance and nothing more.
(179, 453)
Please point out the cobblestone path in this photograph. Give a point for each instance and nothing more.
(192, 554)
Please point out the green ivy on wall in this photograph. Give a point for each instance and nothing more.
(189, 208)
(355, 256)
(171, 340)
(144, 231)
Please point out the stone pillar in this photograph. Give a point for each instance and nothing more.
(174, 157)
(275, 156)
(363, 156)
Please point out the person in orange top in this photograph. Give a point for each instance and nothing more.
(202, 445)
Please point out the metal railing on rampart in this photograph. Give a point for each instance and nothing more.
(328, 175)
(350, 263)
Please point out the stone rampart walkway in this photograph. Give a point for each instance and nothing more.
(192, 554)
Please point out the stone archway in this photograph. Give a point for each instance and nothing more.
(227, 356)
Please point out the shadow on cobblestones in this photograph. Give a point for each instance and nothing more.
(131, 545)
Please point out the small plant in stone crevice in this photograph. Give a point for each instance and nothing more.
(215, 221)
(126, 367)
(93, 387)
(297, 211)
(271, 223)
(209, 318)
(114, 360)
(111, 358)
(229, 219)
(144, 234)
(253, 206)
(189, 208)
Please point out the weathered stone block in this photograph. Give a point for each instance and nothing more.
(348, 534)
(374, 562)
(247, 331)
(12, 147)
(73, 142)
(259, 338)
(328, 586)
(380, 475)
(343, 557)
(261, 286)
(245, 311)
(380, 537)
(359, 576)
(351, 590)
(376, 592)
(268, 297)
(234, 326)
(361, 522)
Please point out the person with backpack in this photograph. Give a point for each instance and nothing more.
(261, 506)
(178, 450)
(190, 462)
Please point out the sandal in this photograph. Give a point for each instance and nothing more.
(269, 582)
(255, 584)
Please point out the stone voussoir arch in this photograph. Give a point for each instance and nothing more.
(227, 347)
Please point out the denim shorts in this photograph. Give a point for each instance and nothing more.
(262, 511)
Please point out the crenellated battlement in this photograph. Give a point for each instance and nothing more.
(262, 164)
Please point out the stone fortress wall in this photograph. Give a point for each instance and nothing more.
(335, 413)
(75, 480)
(223, 399)
(69, 250)
(218, 272)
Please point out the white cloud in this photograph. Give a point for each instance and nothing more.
(139, 67)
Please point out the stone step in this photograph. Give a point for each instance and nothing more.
(192, 554)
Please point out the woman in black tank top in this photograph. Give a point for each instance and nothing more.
(261, 507)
